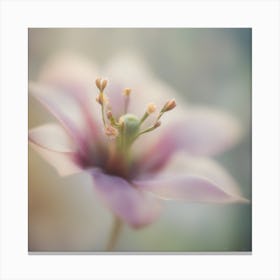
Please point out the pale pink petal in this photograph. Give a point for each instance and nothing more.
(69, 69)
(135, 207)
(208, 132)
(202, 132)
(70, 113)
(56, 147)
(128, 68)
(63, 162)
(66, 88)
(190, 188)
(52, 137)
(74, 75)
(203, 167)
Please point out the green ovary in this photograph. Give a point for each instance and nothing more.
(130, 126)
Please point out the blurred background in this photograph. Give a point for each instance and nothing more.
(210, 67)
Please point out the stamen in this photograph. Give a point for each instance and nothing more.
(101, 98)
(127, 128)
(103, 85)
(145, 116)
(98, 83)
(151, 108)
(126, 93)
(156, 125)
(169, 105)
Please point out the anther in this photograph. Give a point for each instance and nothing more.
(157, 124)
(151, 108)
(127, 92)
(98, 83)
(103, 85)
(169, 105)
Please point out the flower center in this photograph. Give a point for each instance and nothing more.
(123, 132)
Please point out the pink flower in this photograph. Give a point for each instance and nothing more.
(136, 154)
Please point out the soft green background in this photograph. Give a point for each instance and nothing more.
(206, 66)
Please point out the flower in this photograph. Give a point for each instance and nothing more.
(136, 155)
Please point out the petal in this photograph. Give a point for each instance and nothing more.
(66, 88)
(68, 68)
(190, 188)
(128, 67)
(202, 132)
(69, 112)
(63, 162)
(208, 132)
(203, 167)
(52, 137)
(56, 147)
(130, 204)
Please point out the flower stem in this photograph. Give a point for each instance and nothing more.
(115, 234)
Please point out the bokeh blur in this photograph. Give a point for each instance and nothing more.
(211, 67)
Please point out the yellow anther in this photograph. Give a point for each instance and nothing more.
(169, 105)
(127, 92)
(101, 84)
(98, 83)
(157, 124)
(151, 108)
